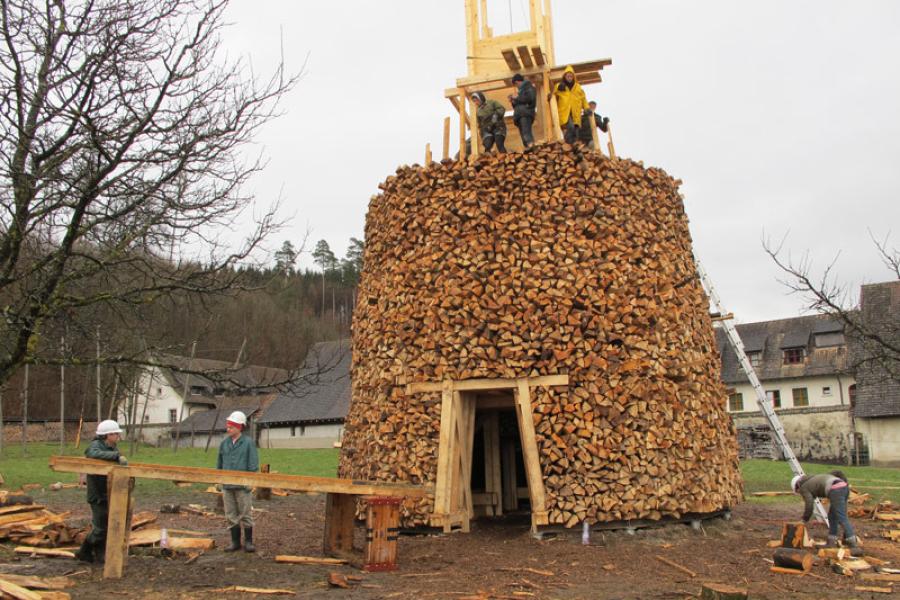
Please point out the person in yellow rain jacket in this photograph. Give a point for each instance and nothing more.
(570, 103)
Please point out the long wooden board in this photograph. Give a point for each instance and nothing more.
(67, 464)
(480, 385)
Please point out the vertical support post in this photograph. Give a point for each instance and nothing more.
(554, 114)
(340, 512)
(462, 124)
(473, 130)
(382, 531)
(595, 137)
(428, 154)
(445, 449)
(119, 524)
(546, 106)
(445, 155)
(492, 479)
(609, 143)
(530, 455)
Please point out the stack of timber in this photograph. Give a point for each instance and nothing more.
(542, 263)
(35, 526)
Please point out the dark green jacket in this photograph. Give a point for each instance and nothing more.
(237, 456)
(490, 117)
(96, 484)
(525, 102)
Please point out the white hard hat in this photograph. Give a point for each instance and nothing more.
(238, 417)
(107, 427)
(794, 482)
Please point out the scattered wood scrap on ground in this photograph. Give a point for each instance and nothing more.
(718, 591)
(24, 587)
(256, 590)
(309, 560)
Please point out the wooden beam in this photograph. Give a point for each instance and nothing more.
(581, 69)
(302, 483)
(428, 154)
(340, 513)
(554, 115)
(512, 61)
(594, 137)
(475, 385)
(444, 474)
(525, 57)
(609, 143)
(475, 135)
(538, 55)
(462, 124)
(530, 455)
(446, 148)
(119, 523)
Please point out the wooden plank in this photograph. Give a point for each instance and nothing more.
(462, 124)
(309, 560)
(675, 565)
(512, 61)
(49, 552)
(444, 467)
(340, 513)
(554, 116)
(428, 154)
(475, 134)
(119, 526)
(880, 576)
(594, 137)
(538, 55)
(445, 155)
(478, 385)
(382, 533)
(17, 592)
(530, 455)
(609, 144)
(525, 57)
(69, 464)
(39, 583)
(582, 69)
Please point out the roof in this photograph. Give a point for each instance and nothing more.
(221, 374)
(877, 374)
(324, 397)
(200, 422)
(771, 337)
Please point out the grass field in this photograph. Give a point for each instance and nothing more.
(18, 469)
(768, 475)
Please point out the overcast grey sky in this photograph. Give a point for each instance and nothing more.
(782, 117)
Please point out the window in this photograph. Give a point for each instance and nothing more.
(793, 356)
(173, 415)
(755, 359)
(851, 392)
(774, 397)
(824, 340)
(196, 390)
(826, 391)
(736, 402)
(801, 397)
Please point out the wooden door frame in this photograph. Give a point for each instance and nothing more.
(453, 490)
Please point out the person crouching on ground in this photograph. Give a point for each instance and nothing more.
(103, 447)
(238, 453)
(833, 486)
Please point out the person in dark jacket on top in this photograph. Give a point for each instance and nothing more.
(584, 132)
(238, 453)
(490, 122)
(524, 102)
(833, 486)
(103, 447)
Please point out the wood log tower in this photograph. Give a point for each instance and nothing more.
(492, 62)
(531, 334)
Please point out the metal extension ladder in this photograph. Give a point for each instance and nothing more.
(764, 405)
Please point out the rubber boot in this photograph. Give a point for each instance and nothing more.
(86, 552)
(100, 551)
(248, 540)
(832, 541)
(854, 542)
(235, 539)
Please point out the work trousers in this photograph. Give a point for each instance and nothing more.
(570, 131)
(238, 507)
(837, 512)
(94, 546)
(525, 124)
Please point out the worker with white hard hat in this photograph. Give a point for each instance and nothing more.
(237, 452)
(835, 487)
(102, 447)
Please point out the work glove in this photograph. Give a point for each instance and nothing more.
(123, 461)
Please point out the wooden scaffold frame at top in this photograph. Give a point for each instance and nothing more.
(453, 501)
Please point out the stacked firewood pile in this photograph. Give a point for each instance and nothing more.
(541, 263)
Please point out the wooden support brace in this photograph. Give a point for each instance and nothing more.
(609, 144)
(446, 148)
(428, 154)
(530, 455)
(462, 125)
(340, 513)
(119, 523)
(473, 129)
(595, 138)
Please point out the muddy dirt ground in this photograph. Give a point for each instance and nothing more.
(498, 559)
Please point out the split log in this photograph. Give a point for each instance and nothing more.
(792, 558)
(10, 498)
(718, 591)
(338, 580)
(309, 560)
(786, 571)
(38, 583)
(834, 553)
(794, 535)
(543, 263)
(48, 552)
(17, 592)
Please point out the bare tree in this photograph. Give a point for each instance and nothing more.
(123, 135)
(876, 341)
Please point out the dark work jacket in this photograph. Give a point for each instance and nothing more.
(526, 101)
(240, 455)
(584, 132)
(96, 484)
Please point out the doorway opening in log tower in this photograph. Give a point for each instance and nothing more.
(499, 485)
